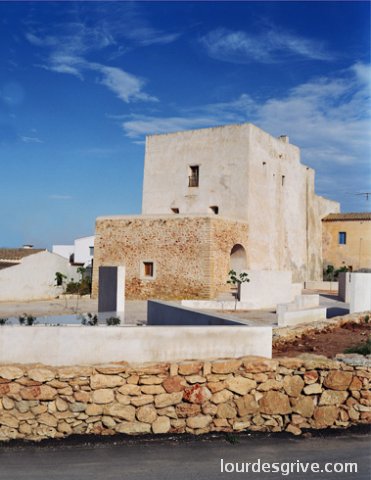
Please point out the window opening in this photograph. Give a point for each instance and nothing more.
(194, 174)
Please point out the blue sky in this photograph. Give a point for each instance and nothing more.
(82, 83)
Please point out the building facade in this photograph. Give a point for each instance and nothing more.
(80, 253)
(236, 179)
(347, 240)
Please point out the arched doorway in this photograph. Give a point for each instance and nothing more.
(238, 258)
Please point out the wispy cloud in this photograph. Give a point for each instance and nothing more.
(30, 139)
(125, 85)
(56, 196)
(329, 118)
(72, 47)
(141, 125)
(272, 46)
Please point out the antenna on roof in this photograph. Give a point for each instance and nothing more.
(366, 194)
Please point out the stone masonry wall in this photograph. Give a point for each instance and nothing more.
(190, 254)
(251, 393)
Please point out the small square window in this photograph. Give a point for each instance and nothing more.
(342, 238)
(148, 269)
(175, 210)
(215, 209)
(194, 174)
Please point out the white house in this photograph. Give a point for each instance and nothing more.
(30, 274)
(80, 253)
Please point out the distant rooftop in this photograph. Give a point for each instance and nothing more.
(336, 217)
(16, 254)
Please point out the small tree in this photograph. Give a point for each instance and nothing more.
(236, 281)
(60, 278)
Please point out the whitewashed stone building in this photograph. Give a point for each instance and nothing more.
(216, 198)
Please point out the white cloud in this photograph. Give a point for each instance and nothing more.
(69, 54)
(147, 125)
(56, 196)
(46, 41)
(146, 36)
(30, 139)
(327, 117)
(271, 46)
(125, 85)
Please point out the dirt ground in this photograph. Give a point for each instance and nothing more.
(328, 341)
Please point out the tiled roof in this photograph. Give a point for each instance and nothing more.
(16, 254)
(337, 217)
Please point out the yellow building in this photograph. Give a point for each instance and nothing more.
(347, 240)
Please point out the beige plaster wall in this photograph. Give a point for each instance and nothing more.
(318, 208)
(356, 252)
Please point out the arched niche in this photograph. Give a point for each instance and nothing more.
(238, 258)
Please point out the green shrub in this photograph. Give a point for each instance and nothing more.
(113, 321)
(89, 320)
(331, 275)
(27, 320)
(362, 348)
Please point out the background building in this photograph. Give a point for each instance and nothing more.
(30, 274)
(80, 253)
(347, 240)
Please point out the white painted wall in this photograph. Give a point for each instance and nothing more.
(297, 317)
(322, 286)
(266, 289)
(91, 345)
(360, 292)
(63, 250)
(82, 249)
(250, 175)
(34, 277)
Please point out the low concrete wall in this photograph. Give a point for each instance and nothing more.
(300, 303)
(89, 345)
(322, 286)
(295, 317)
(344, 287)
(296, 289)
(306, 301)
(360, 292)
(227, 395)
(267, 288)
(169, 313)
(214, 305)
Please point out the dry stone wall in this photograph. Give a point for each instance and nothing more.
(251, 393)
